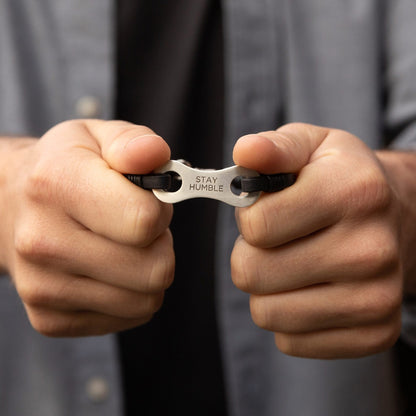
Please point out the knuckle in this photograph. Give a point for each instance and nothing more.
(369, 191)
(38, 183)
(145, 220)
(260, 313)
(290, 137)
(32, 244)
(386, 302)
(254, 225)
(120, 129)
(46, 324)
(390, 301)
(28, 293)
(385, 257)
(377, 303)
(383, 337)
(379, 254)
(34, 294)
(48, 328)
(162, 273)
(154, 303)
(385, 252)
(43, 180)
(285, 343)
(389, 336)
(64, 126)
(378, 191)
(143, 307)
(241, 269)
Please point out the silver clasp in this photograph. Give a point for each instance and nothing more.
(207, 183)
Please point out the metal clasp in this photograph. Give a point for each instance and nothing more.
(207, 183)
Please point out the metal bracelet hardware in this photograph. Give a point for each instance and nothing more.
(238, 186)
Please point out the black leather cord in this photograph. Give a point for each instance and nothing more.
(163, 181)
(267, 183)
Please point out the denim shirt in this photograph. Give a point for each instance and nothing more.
(349, 64)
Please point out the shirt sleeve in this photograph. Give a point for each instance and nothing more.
(400, 118)
(408, 333)
(400, 73)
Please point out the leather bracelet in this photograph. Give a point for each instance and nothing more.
(177, 181)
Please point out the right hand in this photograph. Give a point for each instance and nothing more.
(89, 252)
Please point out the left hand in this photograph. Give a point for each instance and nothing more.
(321, 259)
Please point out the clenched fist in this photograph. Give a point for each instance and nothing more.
(323, 259)
(89, 252)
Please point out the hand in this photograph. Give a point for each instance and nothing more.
(89, 252)
(321, 259)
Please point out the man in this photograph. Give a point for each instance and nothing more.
(326, 261)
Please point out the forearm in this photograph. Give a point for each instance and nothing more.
(401, 170)
(12, 151)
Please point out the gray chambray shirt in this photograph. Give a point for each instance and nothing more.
(349, 64)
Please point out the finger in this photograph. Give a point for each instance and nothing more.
(77, 251)
(320, 198)
(287, 149)
(341, 342)
(333, 255)
(293, 146)
(146, 270)
(300, 210)
(125, 147)
(68, 293)
(113, 207)
(129, 148)
(94, 194)
(328, 306)
(337, 174)
(55, 323)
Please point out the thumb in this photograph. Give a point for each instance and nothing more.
(127, 147)
(287, 149)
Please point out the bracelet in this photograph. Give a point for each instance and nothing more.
(238, 186)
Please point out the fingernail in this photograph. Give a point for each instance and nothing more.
(145, 138)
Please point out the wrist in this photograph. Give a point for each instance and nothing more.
(400, 168)
(13, 151)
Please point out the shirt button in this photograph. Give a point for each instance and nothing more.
(97, 389)
(88, 107)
